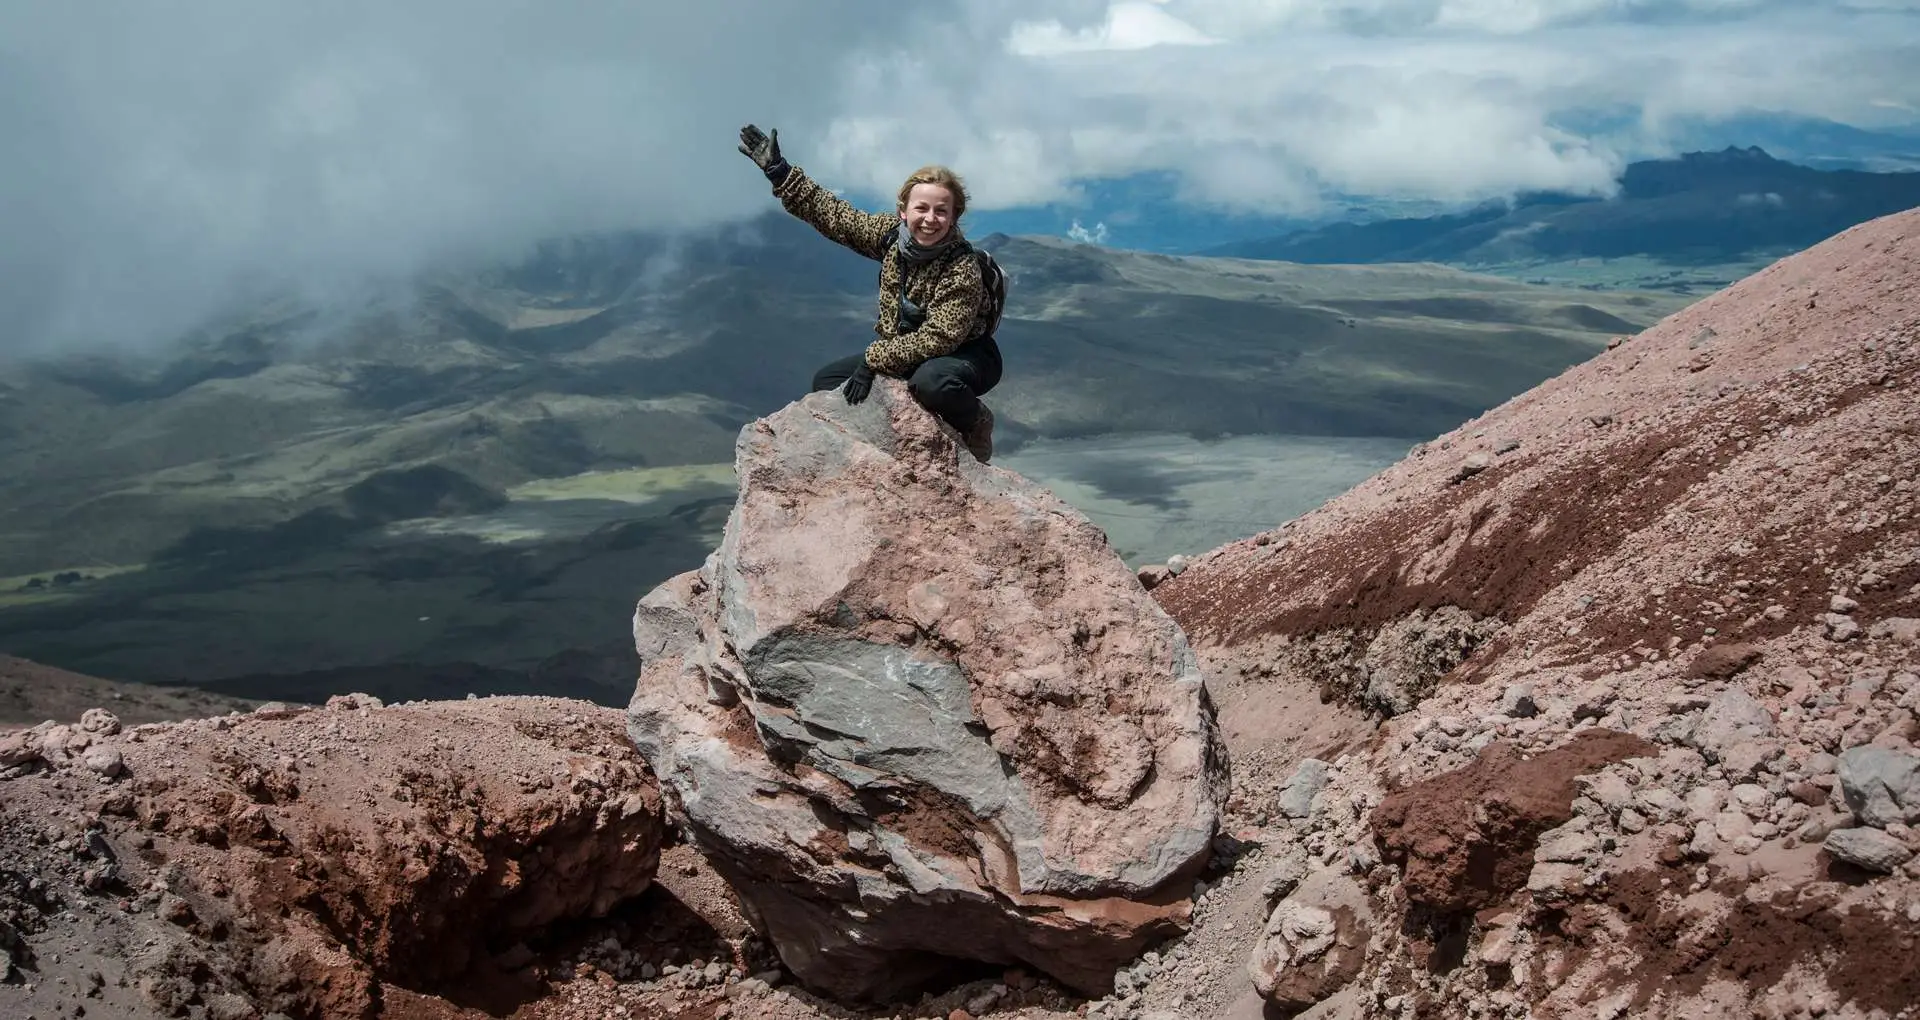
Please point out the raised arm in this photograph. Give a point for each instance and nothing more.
(834, 217)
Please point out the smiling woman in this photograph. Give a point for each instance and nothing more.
(937, 310)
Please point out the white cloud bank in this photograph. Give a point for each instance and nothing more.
(163, 155)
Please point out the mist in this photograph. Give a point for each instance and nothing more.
(168, 162)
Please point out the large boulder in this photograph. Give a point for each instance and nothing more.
(916, 709)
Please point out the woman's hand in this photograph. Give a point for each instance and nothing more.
(858, 385)
(764, 150)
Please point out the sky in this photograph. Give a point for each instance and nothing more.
(165, 160)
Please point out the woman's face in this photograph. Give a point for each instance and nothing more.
(928, 213)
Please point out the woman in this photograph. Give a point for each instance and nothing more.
(930, 329)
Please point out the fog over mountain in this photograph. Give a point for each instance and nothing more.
(170, 161)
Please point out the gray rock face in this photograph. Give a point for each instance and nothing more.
(1881, 786)
(916, 708)
(1869, 848)
(1308, 779)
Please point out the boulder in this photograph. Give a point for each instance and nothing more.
(1314, 942)
(914, 709)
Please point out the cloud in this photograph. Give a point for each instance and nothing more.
(1292, 102)
(1129, 25)
(1096, 235)
(163, 158)
(166, 159)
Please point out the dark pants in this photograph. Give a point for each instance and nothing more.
(949, 386)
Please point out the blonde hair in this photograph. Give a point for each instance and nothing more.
(944, 178)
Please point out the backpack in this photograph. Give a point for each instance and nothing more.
(987, 321)
(993, 301)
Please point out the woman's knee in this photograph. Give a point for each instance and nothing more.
(938, 387)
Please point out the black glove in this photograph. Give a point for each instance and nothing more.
(859, 384)
(764, 150)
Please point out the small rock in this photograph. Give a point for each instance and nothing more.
(1361, 859)
(1296, 796)
(229, 1006)
(1818, 827)
(176, 910)
(1735, 730)
(1518, 702)
(1177, 564)
(99, 721)
(1809, 794)
(1869, 848)
(106, 761)
(1153, 576)
(1842, 604)
(1473, 464)
(19, 748)
(1704, 802)
(1705, 840)
(1881, 785)
(1661, 803)
(1752, 799)
(1285, 874)
(1902, 629)
(1551, 880)
(985, 1000)
(1566, 846)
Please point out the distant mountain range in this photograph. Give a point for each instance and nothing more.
(1701, 207)
(1810, 141)
(1151, 211)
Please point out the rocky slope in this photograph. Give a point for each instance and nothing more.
(32, 693)
(1642, 647)
(338, 862)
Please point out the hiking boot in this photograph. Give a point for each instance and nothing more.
(979, 438)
